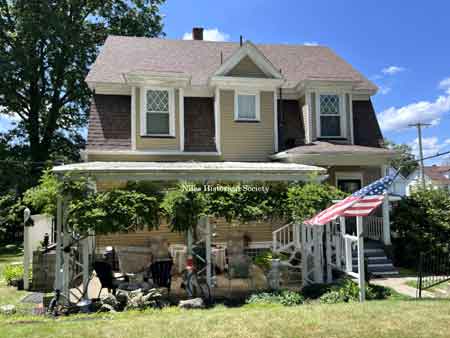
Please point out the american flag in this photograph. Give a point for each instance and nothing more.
(360, 203)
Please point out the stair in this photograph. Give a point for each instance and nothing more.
(378, 263)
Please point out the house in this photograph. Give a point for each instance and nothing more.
(225, 106)
(435, 176)
(398, 188)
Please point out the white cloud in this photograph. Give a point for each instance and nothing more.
(423, 111)
(391, 70)
(430, 145)
(311, 43)
(447, 141)
(445, 85)
(212, 34)
(384, 90)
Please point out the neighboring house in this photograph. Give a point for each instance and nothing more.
(177, 100)
(398, 188)
(435, 176)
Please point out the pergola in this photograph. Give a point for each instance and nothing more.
(162, 171)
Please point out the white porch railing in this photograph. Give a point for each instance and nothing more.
(285, 236)
(373, 227)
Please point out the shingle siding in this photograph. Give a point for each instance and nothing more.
(365, 125)
(110, 122)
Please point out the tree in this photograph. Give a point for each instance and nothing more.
(406, 162)
(47, 48)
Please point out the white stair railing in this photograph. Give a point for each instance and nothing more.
(285, 236)
(373, 227)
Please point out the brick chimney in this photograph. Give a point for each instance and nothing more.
(197, 33)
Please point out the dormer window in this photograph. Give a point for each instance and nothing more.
(246, 106)
(158, 113)
(330, 120)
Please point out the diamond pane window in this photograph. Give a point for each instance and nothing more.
(330, 119)
(158, 112)
(329, 104)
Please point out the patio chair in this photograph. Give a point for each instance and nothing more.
(161, 273)
(105, 274)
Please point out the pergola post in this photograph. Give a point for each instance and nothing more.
(58, 260)
(318, 268)
(328, 252)
(361, 272)
(65, 254)
(303, 238)
(386, 221)
(85, 261)
(385, 211)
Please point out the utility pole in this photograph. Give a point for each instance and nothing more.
(419, 126)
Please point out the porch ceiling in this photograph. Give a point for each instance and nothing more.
(194, 171)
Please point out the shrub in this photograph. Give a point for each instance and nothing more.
(42, 198)
(348, 291)
(422, 222)
(263, 260)
(11, 218)
(283, 297)
(12, 273)
(305, 200)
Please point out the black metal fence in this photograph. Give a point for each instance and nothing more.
(434, 269)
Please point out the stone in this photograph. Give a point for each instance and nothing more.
(110, 299)
(7, 309)
(195, 303)
(106, 308)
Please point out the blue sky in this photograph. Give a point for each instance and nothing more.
(401, 46)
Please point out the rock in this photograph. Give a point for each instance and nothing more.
(122, 297)
(7, 309)
(110, 299)
(195, 303)
(106, 308)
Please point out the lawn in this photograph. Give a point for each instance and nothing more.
(371, 319)
(392, 318)
(10, 295)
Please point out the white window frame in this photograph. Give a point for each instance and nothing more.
(342, 114)
(143, 111)
(257, 105)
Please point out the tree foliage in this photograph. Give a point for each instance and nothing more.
(11, 217)
(305, 200)
(47, 48)
(406, 161)
(42, 198)
(422, 223)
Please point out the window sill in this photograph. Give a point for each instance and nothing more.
(332, 138)
(158, 136)
(247, 121)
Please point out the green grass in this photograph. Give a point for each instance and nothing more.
(371, 319)
(10, 295)
(443, 287)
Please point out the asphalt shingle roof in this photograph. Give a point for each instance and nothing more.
(200, 59)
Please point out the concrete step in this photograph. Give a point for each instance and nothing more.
(377, 261)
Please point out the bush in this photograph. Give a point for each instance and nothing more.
(283, 297)
(306, 200)
(11, 218)
(422, 222)
(263, 260)
(42, 198)
(348, 291)
(13, 273)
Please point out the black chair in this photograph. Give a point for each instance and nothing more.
(161, 273)
(105, 274)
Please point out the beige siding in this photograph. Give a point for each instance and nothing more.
(150, 158)
(154, 143)
(247, 68)
(246, 141)
(255, 231)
